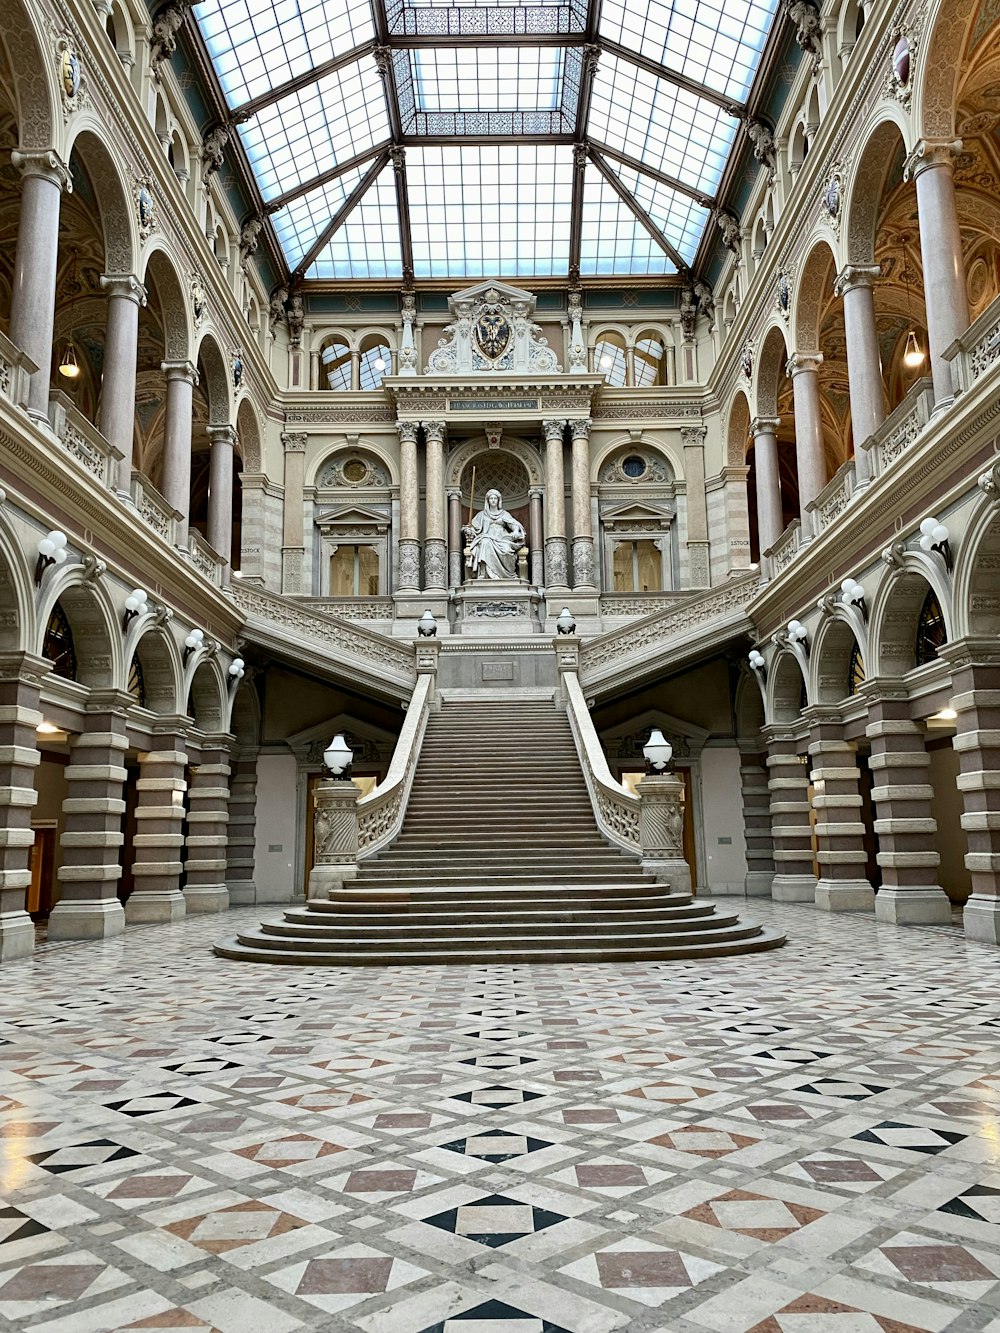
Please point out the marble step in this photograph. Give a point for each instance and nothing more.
(621, 911)
(542, 880)
(442, 935)
(463, 896)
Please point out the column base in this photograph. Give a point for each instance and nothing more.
(758, 883)
(676, 874)
(147, 908)
(96, 919)
(844, 895)
(322, 879)
(206, 898)
(922, 905)
(981, 918)
(794, 888)
(17, 936)
(242, 893)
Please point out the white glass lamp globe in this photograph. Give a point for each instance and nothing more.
(658, 751)
(338, 755)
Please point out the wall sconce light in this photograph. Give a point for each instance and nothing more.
(565, 624)
(237, 668)
(852, 593)
(51, 551)
(934, 537)
(658, 753)
(757, 663)
(797, 633)
(427, 626)
(338, 756)
(136, 604)
(194, 640)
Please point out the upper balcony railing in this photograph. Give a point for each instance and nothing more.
(978, 349)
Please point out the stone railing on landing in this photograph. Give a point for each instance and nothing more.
(615, 604)
(669, 638)
(778, 557)
(83, 441)
(16, 370)
(381, 812)
(901, 428)
(352, 608)
(833, 499)
(615, 808)
(153, 509)
(205, 558)
(978, 350)
(326, 642)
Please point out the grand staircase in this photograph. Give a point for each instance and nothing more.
(499, 860)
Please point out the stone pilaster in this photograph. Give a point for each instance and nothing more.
(757, 823)
(905, 826)
(583, 531)
(456, 558)
(556, 556)
(661, 830)
(810, 462)
(20, 681)
(242, 830)
(408, 577)
(335, 836)
(976, 699)
(220, 495)
(864, 364)
(788, 785)
(208, 819)
(92, 839)
(693, 442)
(843, 885)
(121, 343)
(293, 522)
(765, 455)
(159, 817)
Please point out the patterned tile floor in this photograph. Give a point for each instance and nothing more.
(793, 1142)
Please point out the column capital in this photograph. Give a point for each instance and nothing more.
(434, 431)
(222, 435)
(580, 430)
(800, 363)
(929, 153)
(407, 431)
(454, 493)
(294, 441)
(693, 437)
(535, 492)
(125, 286)
(43, 162)
(553, 431)
(180, 370)
(853, 276)
(764, 426)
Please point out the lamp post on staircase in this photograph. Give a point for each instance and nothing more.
(335, 823)
(661, 815)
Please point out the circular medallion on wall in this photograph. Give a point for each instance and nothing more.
(831, 196)
(69, 72)
(901, 62)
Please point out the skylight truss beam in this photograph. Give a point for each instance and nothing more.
(673, 76)
(342, 168)
(241, 114)
(630, 202)
(706, 200)
(398, 155)
(343, 212)
(576, 210)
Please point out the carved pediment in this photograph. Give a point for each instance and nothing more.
(492, 332)
(628, 515)
(352, 516)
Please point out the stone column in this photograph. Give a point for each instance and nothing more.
(693, 441)
(843, 885)
(408, 579)
(931, 164)
(33, 290)
(757, 822)
(293, 530)
(208, 818)
(899, 761)
(765, 454)
(435, 550)
(242, 829)
(121, 343)
(661, 830)
(583, 530)
(176, 486)
(355, 371)
(335, 836)
(456, 559)
(220, 495)
(92, 839)
(556, 564)
(976, 700)
(20, 681)
(159, 814)
(864, 364)
(788, 784)
(536, 539)
(810, 465)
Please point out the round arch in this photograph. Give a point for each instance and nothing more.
(161, 667)
(866, 185)
(524, 452)
(749, 706)
(771, 364)
(831, 656)
(811, 294)
(249, 434)
(206, 694)
(216, 379)
(645, 441)
(93, 620)
(17, 602)
(976, 606)
(38, 101)
(738, 429)
(158, 266)
(949, 25)
(245, 717)
(895, 611)
(116, 215)
(786, 688)
(364, 446)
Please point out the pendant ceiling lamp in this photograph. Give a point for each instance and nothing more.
(913, 354)
(69, 366)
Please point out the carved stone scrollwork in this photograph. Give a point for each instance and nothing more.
(409, 563)
(804, 14)
(250, 239)
(555, 561)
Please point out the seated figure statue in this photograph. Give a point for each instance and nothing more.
(493, 539)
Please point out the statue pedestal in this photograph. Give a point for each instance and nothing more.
(497, 608)
(661, 829)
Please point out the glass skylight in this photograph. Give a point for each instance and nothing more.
(612, 239)
(367, 245)
(679, 217)
(300, 222)
(476, 78)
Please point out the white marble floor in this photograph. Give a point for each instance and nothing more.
(791, 1142)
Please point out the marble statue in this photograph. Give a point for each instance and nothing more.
(493, 539)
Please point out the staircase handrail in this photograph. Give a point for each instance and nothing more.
(381, 812)
(615, 808)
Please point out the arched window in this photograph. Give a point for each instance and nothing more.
(136, 681)
(931, 634)
(354, 571)
(650, 358)
(335, 356)
(376, 360)
(609, 359)
(855, 669)
(58, 644)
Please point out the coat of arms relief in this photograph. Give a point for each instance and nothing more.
(492, 331)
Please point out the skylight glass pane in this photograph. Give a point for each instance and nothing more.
(256, 45)
(660, 124)
(483, 18)
(299, 223)
(612, 239)
(476, 78)
(367, 245)
(717, 43)
(490, 210)
(681, 219)
(315, 129)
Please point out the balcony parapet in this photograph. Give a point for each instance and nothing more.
(833, 499)
(156, 512)
(83, 441)
(16, 370)
(902, 427)
(978, 349)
